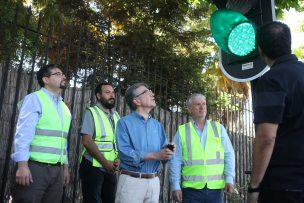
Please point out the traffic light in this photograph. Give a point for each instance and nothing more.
(235, 35)
(233, 29)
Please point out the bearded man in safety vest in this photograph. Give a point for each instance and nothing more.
(99, 161)
(204, 161)
(41, 141)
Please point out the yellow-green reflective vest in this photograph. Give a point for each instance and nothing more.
(104, 134)
(202, 166)
(49, 143)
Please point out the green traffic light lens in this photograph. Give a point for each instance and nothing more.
(241, 40)
(233, 32)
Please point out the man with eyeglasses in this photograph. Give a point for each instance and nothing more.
(41, 141)
(141, 143)
(99, 161)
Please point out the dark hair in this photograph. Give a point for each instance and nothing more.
(45, 71)
(274, 39)
(130, 94)
(99, 86)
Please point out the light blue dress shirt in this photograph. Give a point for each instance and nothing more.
(135, 137)
(176, 161)
(29, 115)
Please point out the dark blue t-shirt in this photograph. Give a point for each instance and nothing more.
(279, 98)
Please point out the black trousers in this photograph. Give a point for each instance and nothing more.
(269, 196)
(97, 186)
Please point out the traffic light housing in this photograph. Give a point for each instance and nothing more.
(233, 28)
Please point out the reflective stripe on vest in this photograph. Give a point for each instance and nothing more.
(50, 150)
(50, 140)
(52, 133)
(104, 136)
(202, 178)
(202, 166)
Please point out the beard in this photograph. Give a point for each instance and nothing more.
(63, 85)
(109, 104)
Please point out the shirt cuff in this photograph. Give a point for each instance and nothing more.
(66, 161)
(229, 179)
(20, 156)
(176, 186)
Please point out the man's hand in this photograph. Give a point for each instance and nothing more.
(177, 195)
(66, 175)
(23, 174)
(165, 154)
(252, 197)
(229, 188)
(109, 166)
(162, 155)
(171, 146)
(93, 150)
(116, 164)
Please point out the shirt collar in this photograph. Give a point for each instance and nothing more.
(195, 125)
(136, 114)
(52, 95)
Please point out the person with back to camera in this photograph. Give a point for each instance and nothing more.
(278, 150)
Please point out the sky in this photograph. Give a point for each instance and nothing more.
(293, 19)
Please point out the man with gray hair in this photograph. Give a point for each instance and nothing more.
(141, 143)
(204, 162)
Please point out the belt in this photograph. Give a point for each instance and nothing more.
(139, 175)
(46, 164)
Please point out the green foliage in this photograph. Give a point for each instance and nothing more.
(9, 35)
(299, 52)
(282, 5)
(301, 28)
(166, 43)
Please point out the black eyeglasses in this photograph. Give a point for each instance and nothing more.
(57, 74)
(144, 92)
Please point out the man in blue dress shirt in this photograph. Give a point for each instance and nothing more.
(204, 162)
(141, 143)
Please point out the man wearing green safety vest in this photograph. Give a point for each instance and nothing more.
(204, 161)
(99, 161)
(41, 141)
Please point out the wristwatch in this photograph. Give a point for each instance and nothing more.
(252, 190)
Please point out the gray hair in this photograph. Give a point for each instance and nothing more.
(130, 94)
(193, 96)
